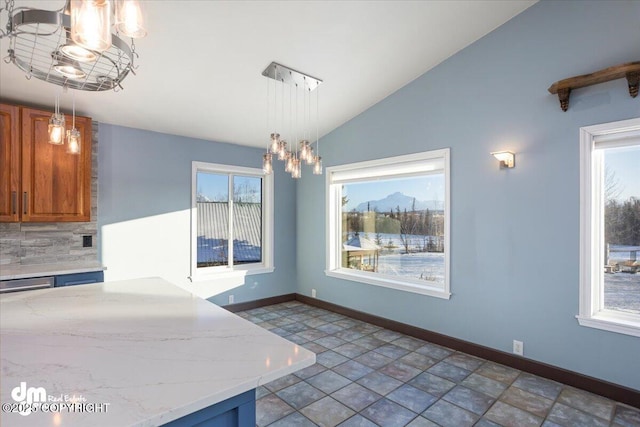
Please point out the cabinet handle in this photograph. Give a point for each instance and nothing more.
(14, 202)
(24, 202)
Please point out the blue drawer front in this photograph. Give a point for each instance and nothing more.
(79, 278)
(237, 411)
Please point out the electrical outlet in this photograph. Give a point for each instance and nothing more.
(87, 241)
(313, 293)
(518, 347)
(231, 299)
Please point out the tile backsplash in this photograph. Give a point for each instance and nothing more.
(53, 242)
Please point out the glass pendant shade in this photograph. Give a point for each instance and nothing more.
(77, 53)
(70, 69)
(130, 18)
(73, 141)
(296, 171)
(310, 157)
(317, 166)
(267, 163)
(275, 141)
(288, 166)
(91, 24)
(282, 150)
(304, 149)
(56, 129)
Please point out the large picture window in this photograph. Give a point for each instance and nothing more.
(610, 227)
(231, 219)
(388, 222)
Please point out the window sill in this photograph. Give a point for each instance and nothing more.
(229, 274)
(387, 283)
(613, 322)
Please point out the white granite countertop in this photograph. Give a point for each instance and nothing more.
(148, 349)
(11, 272)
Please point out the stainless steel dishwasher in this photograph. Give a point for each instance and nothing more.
(26, 284)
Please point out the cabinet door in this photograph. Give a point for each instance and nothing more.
(9, 163)
(56, 185)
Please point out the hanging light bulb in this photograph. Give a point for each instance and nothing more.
(74, 141)
(275, 141)
(304, 149)
(56, 125)
(282, 150)
(310, 156)
(76, 52)
(288, 166)
(67, 66)
(317, 165)
(91, 24)
(296, 171)
(267, 164)
(130, 18)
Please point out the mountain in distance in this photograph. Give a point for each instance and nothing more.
(398, 199)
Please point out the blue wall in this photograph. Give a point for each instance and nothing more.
(144, 197)
(515, 233)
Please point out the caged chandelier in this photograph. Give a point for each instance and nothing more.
(292, 113)
(81, 46)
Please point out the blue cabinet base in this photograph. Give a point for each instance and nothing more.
(237, 411)
(79, 278)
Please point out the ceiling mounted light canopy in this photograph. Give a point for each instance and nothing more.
(292, 115)
(48, 44)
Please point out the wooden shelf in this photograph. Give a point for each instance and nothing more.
(630, 70)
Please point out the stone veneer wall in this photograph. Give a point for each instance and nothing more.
(54, 242)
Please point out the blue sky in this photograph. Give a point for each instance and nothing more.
(429, 187)
(215, 187)
(625, 163)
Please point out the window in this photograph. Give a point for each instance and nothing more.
(231, 204)
(610, 227)
(388, 222)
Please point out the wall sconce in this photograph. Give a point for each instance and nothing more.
(507, 159)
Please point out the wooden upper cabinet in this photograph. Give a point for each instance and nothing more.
(9, 163)
(41, 182)
(56, 185)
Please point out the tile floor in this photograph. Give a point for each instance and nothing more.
(368, 376)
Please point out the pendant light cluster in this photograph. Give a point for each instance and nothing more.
(81, 45)
(57, 135)
(293, 115)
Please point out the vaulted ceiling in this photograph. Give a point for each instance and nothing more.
(200, 65)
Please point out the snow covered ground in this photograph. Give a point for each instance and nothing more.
(428, 266)
(622, 292)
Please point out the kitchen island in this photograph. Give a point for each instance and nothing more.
(139, 352)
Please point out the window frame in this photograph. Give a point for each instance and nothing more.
(266, 266)
(591, 310)
(411, 162)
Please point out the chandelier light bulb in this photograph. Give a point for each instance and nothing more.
(91, 24)
(282, 150)
(77, 53)
(296, 171)
(130, 18)
(317, 166)
(73, 141)
(267, 163)
(56, 129)
(311, 158)
(275, 142)
(288, 166)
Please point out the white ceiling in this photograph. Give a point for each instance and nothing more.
(200, 65)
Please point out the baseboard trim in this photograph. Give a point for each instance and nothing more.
(250, 305)
(603, 388)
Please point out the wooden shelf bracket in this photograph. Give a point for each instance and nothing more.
(630, 70)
